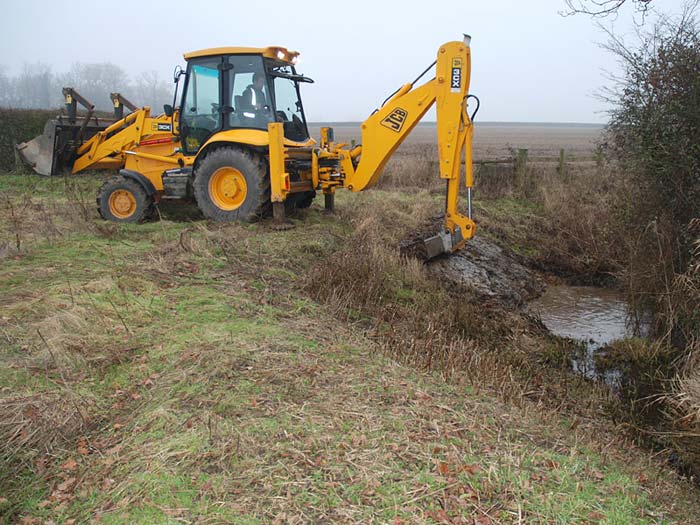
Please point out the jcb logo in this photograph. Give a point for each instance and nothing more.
(395, 120)
(159, 126)
(456, 76)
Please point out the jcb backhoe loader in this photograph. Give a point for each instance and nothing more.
(239, 144)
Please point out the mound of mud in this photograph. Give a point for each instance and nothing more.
(490, 271)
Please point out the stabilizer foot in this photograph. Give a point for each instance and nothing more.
(278, 212)
(279, 220)
(329, 202)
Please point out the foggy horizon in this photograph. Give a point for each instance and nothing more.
(529, 63)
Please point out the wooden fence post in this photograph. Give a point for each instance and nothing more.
(562, 163)
(521, 170)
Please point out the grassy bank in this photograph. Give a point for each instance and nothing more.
(181, 371)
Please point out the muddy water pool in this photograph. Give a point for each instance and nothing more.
(595, 316)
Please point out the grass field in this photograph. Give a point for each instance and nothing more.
(182, 371)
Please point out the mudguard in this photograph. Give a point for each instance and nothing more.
(146, 184)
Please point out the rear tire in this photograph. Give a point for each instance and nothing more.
(124, 200)
(231, 184)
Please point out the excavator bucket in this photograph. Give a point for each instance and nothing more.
(429, 246)
(442, 243)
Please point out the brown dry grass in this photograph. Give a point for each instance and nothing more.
(453, 331)
(574, 219)
(583, 238)
(180, 372)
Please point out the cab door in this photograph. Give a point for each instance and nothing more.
(201, 116)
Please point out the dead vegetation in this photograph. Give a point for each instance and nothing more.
(180, 371)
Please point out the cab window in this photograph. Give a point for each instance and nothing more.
(200, 107)
(288, 109)
(249, 93)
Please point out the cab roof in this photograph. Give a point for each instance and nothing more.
(275, 52)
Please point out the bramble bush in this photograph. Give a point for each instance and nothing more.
(654, 137)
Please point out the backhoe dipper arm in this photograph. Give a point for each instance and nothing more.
(386, 129)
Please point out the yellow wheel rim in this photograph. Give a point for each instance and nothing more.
(227, 188)
(122, 203)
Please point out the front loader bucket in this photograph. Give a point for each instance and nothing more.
(38, 153)
(54, 150)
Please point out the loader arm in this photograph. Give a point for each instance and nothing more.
(138, 143)
(385, 130)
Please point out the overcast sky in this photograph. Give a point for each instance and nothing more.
(529, 64)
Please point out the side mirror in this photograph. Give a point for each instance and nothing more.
(168, 109)
(177, 73)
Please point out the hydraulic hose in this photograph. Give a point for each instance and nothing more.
(412, 83)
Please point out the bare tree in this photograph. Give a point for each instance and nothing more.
(96, 81)
(149, 89)
(5, 93)
(35, 87)
(603, 8)
(653, 137)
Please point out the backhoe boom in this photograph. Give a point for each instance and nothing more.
(385, 130)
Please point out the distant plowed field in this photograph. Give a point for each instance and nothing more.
(495, 140)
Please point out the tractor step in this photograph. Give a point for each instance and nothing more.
(177, 183)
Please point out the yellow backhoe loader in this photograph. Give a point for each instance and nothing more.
(238, 141)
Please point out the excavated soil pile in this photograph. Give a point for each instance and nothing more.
(489, 270)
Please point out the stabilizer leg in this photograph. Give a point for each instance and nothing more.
(278, 213)
(329, 202)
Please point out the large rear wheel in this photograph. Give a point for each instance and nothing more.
(123, 200)
(232, 184)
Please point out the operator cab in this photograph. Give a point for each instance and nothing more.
(240, 88)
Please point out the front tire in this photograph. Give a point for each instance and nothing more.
(124, 200)
(232, 184)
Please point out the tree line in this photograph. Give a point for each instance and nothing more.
(38, 87)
